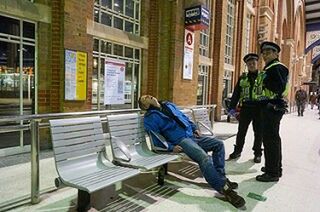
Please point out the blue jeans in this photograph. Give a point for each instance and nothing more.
(212, 168)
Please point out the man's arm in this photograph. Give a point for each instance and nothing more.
(153, 123)
(235, 96)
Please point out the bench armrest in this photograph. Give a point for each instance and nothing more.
(123, 148)
(206, 127)
(161, 139)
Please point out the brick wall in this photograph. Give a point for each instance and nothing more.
(76, 13)
(56, 56)
(218, 55)
(150, 73)
(44, 67)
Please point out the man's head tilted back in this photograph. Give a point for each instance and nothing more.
(146, 101)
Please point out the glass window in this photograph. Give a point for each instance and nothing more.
(129, 27)
(131, 56)
(128, 52)
(106, 19)
(96, 15)
(96, 45)
(106, 3)
(120, 14)
(203, 85)
(106, 47)
(204, 35)
(229, 34)
(129, 8)
(28, 30)
(137, 54)
(118, 50)
(118, 23)
(248, 31)
(118, 6)
(9, 26)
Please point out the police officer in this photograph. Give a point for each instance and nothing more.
(273, 108)
(245, 93)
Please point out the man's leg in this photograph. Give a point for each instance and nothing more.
(214, 177)
(244, 121)
(211, 144)
(298, 108)
(272, 145)
(210, 173)
(257, 129)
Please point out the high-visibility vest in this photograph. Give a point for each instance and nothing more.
(245, 87)
(267, 94)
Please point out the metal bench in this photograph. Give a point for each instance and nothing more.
(79, 152)
(129, 146)
(201, 118)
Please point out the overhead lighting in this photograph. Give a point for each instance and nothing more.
(116, 4)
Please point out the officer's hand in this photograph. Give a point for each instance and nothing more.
(197, 133)
(177, 149)
(232, 112)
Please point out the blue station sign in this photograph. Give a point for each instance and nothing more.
(197, 18)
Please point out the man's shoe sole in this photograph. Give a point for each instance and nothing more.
(260, 178)
(263, 169)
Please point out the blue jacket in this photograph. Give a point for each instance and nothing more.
(158, 122)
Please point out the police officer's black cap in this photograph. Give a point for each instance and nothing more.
(250, 56)
(270, 45)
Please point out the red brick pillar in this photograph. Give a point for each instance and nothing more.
(218, 56)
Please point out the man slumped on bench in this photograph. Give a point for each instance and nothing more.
(181, 134)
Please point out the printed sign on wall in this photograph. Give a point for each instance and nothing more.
(75, 75)
(188, 54)
(114, 81)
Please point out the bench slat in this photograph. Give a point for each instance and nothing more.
(92, 150)
(72, 148)
(74, 121)
(77, 134)
(68, 142)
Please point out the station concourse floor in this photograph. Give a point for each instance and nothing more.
(185, 189)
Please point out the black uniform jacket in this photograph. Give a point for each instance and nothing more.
(237, 91)
(276, 80)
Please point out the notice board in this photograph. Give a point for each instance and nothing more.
(75, 75)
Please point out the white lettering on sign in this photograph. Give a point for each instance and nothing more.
(192, 12)
(205, 13)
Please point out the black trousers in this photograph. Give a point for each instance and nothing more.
(272, 141)
(300, 107)
(250, 114)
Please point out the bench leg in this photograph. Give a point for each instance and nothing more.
(83, 201)
(165, 169)
(161, 174)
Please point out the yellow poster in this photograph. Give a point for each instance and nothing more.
(81, 76)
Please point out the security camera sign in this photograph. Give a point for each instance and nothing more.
(188, 54)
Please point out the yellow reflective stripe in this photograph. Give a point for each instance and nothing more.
(273, 64)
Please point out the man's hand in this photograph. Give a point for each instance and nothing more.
(197, 133)
(177, 149)
(232, 112)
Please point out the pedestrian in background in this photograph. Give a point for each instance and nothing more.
(313, 99)
(301, 100)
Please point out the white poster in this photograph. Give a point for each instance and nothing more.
(70, 74)
(114, 77)
(188, 54)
